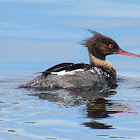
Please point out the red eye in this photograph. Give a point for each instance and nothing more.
(110, 46)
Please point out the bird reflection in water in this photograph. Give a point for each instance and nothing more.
(98, 109)
(102, 108)
(74, 97)
(97, 106)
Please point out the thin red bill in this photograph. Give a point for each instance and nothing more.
(127, 53)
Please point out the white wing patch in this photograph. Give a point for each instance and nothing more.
(64, 72)
(94, 70)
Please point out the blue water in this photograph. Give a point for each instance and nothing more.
(35, 35)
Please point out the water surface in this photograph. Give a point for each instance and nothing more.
(68, 114)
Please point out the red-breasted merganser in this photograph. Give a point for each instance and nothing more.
(98, 73)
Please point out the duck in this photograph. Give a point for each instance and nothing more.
(99, 73)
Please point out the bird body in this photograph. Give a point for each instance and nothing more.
(99, 73)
